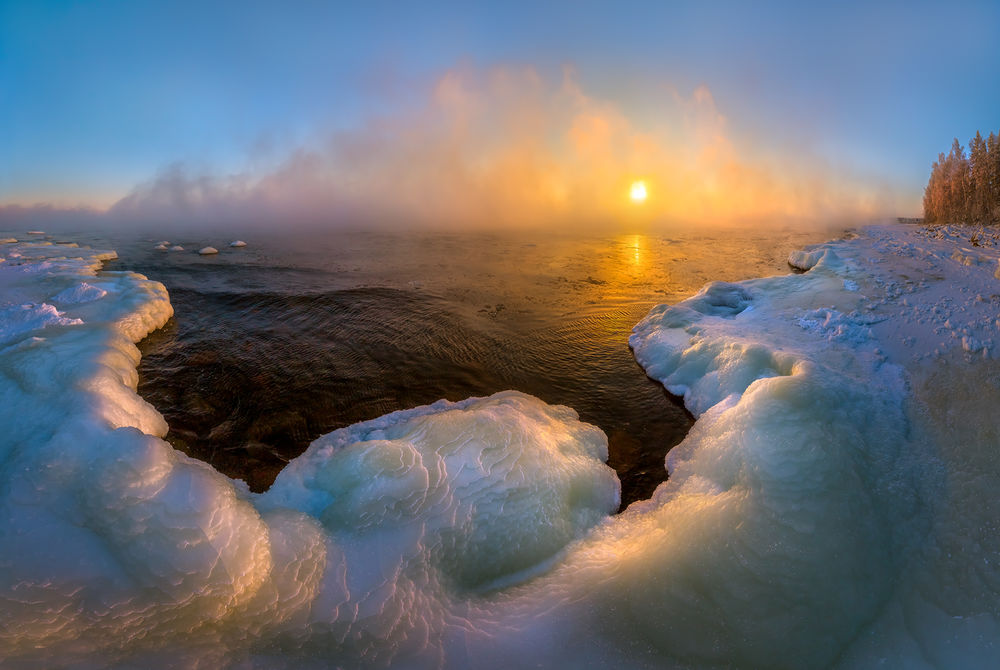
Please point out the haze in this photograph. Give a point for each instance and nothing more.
(246, 115)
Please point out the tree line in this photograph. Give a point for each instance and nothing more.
(965, 188)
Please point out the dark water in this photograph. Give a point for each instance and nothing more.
(278, 343)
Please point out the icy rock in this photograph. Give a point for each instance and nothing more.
(177, 247)
(238, 243)
(804, 260)
(208, 251)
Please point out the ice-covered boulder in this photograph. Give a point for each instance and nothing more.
(238, 243)
(804, 260)
(208, 251)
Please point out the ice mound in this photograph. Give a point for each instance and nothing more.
(208, 251)
(498, 486)
(794, 485)
(177, 247)
(238, 243)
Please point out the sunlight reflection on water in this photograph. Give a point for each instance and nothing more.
(290, 338)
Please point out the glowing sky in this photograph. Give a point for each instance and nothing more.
(447, 110)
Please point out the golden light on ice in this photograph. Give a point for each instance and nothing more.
(638, 191)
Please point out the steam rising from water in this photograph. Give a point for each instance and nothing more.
(509, 147)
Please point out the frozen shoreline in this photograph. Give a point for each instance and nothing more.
(834, 504)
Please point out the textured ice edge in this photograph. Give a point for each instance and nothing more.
(461, 534)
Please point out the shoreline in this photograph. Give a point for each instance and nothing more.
(821, 486)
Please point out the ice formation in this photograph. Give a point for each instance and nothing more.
(834, 504)
(208, 251)
(238, 243)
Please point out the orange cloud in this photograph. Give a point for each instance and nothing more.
(506, 147)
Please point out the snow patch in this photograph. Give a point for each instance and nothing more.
(16, 320)
(81, 293)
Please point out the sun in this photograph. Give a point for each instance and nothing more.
(638, 192)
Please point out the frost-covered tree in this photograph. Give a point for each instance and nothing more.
(965, 189)
(979, 181)
(993, 168)
(958, 170)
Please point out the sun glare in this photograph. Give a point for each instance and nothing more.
(638, 191)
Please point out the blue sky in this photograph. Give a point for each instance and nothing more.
(96, 97)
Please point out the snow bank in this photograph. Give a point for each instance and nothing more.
(834, 503)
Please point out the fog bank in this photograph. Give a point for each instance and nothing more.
(507, 147)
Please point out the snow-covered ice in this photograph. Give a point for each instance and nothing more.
(82, 292)
(237, 243)
(835, 503)
(208, 251)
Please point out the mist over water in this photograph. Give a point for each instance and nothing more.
(273, 345)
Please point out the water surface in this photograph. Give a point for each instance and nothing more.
(289, 338)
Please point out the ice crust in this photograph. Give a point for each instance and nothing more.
(833, 505)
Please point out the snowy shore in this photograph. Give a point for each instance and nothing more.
(835, 504)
